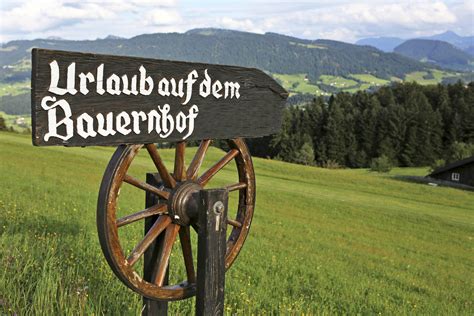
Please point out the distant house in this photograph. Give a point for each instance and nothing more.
(461, 172)
(20, 121)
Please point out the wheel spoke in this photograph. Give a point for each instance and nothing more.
(206, 177)
(179, 168)
(185, 239)
(170, 237)
(157, 209)
(234, 223)
(145, 186)
(198, 159)
(164, 174)
(236, 186)
(161, 223)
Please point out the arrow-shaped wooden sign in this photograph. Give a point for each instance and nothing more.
(89, 99)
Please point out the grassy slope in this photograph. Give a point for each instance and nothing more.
(334, 241)
(338, 82)
(14, 88)
(438, 76)
(10, 121)
(364, 81)
(370, 79)
(296, 83)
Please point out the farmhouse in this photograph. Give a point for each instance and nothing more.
(461, 172)
(20, 121)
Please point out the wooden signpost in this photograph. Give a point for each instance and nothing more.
(86, 99)
(133, 103)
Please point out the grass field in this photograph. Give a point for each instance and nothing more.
(14, 88)
(322, 241)
(354, 82)
(22, 65)
(309, 45)
(337, 81)
(370, 79)
(296, 83)
(434, 76)
(11, 121)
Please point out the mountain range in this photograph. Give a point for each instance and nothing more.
(388, 44)
(270, 52)
(441, 53)
(447, 50)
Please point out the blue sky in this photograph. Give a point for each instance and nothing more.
(336, 19)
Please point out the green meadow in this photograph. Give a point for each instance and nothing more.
(434, 76)
(337, 81)
(296, 83)
(321, 242)
(371, 79)
(11, 121)
(15, 88)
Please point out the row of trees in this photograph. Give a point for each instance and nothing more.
(411, 125)
(16, 105)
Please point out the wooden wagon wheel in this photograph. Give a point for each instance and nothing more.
(173, 217)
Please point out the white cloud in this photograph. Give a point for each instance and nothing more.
(348, 21)
(338, 34)
(18, 19)
(403, 14)
(239, 24)
(163, 16)
(153, 3)
(335, 19)
(43, 15)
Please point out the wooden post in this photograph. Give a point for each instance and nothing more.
(211, 252)
(152, 254)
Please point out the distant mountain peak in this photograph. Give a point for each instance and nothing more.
(55, 38)
(212, 31)
(450, 33)
(273, 53)
(446, 36)
(461, 42)
(113, 37)
(436, 51)
(386, 44)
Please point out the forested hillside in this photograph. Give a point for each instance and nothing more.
(270, 52)
(461, 42)
(438, 52)
(410, 124)
(16, 105)
(387, 44)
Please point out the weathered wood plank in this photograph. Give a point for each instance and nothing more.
(90, 99)
(153, 253)
(211, 252)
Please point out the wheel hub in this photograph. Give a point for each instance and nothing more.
(183, 203)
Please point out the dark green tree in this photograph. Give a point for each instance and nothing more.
(334, 131)
(3, 125)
